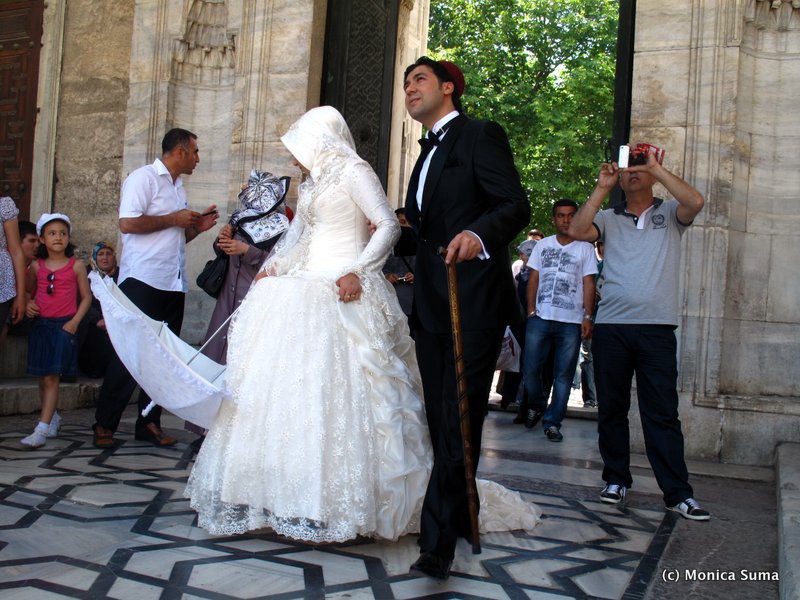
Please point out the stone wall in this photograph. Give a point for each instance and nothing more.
(714, 84)
(235, 72)
(90, 129)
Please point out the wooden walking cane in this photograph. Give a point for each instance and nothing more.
(463, 404)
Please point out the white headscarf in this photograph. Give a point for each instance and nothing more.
(318, 136)
(320, 141)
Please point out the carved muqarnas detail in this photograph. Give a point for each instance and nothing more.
(206, 43)
(778, 15)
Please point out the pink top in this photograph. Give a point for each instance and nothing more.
(62, 301)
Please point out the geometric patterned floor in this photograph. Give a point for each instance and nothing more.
(79, 523)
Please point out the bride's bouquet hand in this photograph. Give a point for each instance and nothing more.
(349, 287)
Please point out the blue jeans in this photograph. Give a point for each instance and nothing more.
(540, 336)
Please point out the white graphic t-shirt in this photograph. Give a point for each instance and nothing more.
(561, 272)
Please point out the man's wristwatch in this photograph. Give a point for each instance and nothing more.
(588, 317)
(532, 313)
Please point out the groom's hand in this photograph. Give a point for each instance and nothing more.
(465, 246)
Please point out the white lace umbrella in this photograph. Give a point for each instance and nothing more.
(173, 373)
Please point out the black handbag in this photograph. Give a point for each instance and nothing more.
(212, 276)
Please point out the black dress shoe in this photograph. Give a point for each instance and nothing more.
(432, 565)
(533, 417)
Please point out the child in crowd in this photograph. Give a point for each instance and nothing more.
(29, 241)
(55, 280)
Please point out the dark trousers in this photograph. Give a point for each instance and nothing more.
(649, 351)
(118, 384)
(445, 516)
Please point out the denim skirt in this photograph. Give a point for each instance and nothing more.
(51, 350)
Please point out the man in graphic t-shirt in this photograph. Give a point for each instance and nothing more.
(560, 302)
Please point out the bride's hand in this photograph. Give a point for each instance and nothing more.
(349, 287)
(261, 275)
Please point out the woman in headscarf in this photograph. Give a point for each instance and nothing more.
(324, 435)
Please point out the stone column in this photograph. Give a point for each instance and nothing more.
(412, 39)
(714, 84)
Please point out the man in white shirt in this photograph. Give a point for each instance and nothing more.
(156, 222)
(560, 302)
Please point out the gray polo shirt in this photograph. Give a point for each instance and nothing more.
(641, 265)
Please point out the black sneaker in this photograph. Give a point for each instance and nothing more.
(533, 417)
(691, 509)
(613, 493)
(553, 434)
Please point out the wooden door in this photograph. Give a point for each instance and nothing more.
(20, 43)
(358, 71)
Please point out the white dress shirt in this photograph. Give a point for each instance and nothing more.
(158, 258)
(423, 174)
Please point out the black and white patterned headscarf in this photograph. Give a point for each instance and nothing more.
(262, 218)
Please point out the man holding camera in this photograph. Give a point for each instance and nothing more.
(636, 320)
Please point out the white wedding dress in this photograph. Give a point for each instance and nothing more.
(323, 436)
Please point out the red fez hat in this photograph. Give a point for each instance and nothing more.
(456, 75)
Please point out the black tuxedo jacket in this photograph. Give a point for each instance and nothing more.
(472, 184)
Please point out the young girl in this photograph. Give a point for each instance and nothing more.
(56, 280)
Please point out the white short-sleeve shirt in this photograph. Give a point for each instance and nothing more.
(159, 258)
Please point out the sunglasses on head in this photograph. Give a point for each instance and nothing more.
(51, 279)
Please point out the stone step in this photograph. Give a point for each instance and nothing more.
(21, 395)
(13, 357)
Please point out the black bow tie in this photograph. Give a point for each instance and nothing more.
(431, 140)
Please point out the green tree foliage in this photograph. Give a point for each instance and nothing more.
(544, 69)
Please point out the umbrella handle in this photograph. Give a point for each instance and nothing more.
(213, 335)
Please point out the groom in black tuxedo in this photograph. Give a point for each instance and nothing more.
(464, 195)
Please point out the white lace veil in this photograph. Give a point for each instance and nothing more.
(318, 140)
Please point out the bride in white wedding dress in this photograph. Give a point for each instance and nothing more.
(323, 436)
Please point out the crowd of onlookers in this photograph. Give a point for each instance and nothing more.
(602, 290)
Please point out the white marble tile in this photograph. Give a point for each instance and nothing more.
(52, 535)
(569, 531)
(466, 562)
(593, 554)
(14, 469)
(425, 586)
(537, 571)
(159, 563)
(356, 594)
(52, 572)
(608, 583)
(181, 526)
(395, 556)
(88, 511)
(50, 484)
(253, 545)
(105, 494)
(140, 462)
(125, 476)
(24, 498)
(126, 589)
(635, 541)
(80, 465)
(336, 569)
(522, 542)
(32, 593)
(249, 577)
(10, 515)
(539, 595)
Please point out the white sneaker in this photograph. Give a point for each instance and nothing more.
(35, 440)
(55, 424)
(691, 509)
(613, 493)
